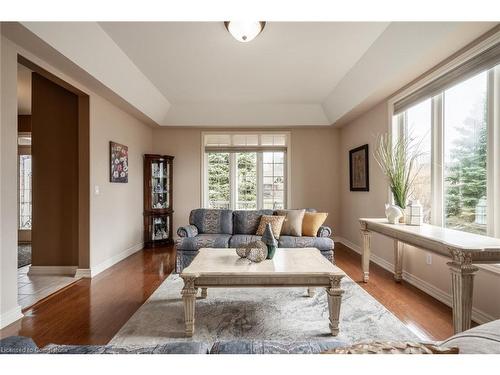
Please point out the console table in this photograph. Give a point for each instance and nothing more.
(464, 249)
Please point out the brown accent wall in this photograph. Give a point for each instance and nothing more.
(24, 123)
(55, 174)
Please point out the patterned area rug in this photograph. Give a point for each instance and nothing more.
(23, 255)
(285, 314)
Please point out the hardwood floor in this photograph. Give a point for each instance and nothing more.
(92, 311)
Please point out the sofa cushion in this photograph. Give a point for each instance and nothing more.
(274, 347)
(483, 339)
(238, 240)
(292, 226)
(210, 221)
(320, 243)
(247, 221)
(203, 240)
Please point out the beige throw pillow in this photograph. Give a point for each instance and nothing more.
(276, 224)
(292, 226)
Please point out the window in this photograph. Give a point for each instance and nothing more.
(458, 127)
(465, 144)
(418, 120)
(245, 171)
(218, 180)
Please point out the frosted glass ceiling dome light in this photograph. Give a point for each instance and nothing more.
(244, 31)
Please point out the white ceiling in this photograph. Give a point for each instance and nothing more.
(293, 74)
(289, 62)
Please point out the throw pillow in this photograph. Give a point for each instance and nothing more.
(292, 226)
(311, 223)
(276, 224)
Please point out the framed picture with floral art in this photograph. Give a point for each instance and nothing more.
(118, 156)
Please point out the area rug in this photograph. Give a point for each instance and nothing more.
(284, 314)
(23, 255)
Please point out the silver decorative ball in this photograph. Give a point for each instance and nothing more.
(242, 251)
(257, 251)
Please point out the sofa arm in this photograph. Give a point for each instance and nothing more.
(187, 231)
(324, 231)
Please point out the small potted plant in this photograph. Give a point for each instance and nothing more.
(398, 160)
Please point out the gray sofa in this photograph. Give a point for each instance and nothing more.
(230, 229)
(484, 339)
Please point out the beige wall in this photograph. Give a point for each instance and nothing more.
(313, 174)
(435, 278)
(116, 224)
(116, 213)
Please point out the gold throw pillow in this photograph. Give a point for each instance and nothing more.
(311, 223)
(276, 224)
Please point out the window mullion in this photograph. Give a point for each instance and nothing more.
(437, 156)
(493, 153)
(260, 181)
(233, 180)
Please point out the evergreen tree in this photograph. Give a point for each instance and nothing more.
(466, 176)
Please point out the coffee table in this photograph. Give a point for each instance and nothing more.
(223, 268)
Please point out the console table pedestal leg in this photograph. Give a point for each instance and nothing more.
(310, 292)
(462, 285)
(365, 257)
(398, 261)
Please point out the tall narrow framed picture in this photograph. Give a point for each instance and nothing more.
(118, 157)
(358, 169)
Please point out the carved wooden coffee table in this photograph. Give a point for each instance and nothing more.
(223, 268)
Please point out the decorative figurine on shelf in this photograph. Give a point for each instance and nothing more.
(270, 241)
(414, 213)
(393, 213)
(158, 188)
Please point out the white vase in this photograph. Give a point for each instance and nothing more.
(393, 213)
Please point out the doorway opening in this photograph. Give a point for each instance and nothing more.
(53, 183)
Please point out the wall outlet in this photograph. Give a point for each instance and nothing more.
(428, 259)
(97, 191)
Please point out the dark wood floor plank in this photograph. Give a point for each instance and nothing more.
(93, 311)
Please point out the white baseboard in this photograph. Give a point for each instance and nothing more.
(10, 316)
(52, 270)
(95, 270)
(477, 315)
(83, 273)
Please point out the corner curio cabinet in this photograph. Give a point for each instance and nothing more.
(158, 200)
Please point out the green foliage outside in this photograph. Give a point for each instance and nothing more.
(465, 180)
(218, 180)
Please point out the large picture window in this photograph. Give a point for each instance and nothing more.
(458, 129)
(245, 171)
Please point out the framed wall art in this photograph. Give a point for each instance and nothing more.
(358, 169)
(118, 156)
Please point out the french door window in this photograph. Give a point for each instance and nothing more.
(245, 171)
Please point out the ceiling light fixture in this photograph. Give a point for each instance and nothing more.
(244, 31)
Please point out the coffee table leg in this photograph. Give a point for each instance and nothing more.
(310, 292)
(189, 297)
(334, 295)
(204, 293)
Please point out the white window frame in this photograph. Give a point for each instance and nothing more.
(397, 125)
(232, 175)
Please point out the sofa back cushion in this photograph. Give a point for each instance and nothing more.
(247, 221)
(210, 221)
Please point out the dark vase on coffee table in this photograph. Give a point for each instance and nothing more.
(270, 241)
